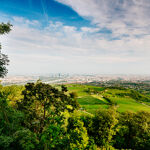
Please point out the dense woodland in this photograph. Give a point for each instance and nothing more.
(39, 116)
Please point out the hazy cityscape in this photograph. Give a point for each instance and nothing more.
(74, 78)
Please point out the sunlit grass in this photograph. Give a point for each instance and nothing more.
(93, 102)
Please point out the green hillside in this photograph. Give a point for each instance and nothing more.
(92, 98)
(40, 116)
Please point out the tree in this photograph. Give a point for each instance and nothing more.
(134, 131)
(54, 134)
(103, 126)
(10, 121)
(77, 136)
(40, 100)
(4, 28)
(24, 139)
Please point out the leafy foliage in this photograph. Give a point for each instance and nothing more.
(40, 100)
(24, 125)
(3, 62)
(53, 136)
(103, 127)
(25, 140)
(134, 131)
(77, 133)
(4, 28)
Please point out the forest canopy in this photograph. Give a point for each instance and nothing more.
(41, 116)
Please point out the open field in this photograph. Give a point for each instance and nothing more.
(92, 98)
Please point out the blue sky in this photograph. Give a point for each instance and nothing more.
(43, 10)
(74, 36)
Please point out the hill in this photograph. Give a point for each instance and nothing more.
(92, 98)
(40, 116)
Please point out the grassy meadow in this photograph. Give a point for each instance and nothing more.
(91, 98)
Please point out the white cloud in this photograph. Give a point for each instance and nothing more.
(88, 29)
(25, 22)
(121, 16)
(63, 48)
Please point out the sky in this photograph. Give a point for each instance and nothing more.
(77, 36)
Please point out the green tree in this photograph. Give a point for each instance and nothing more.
(40, 100)
(10, 122)
(14, 93)
(24, 139)
(4, 28)
(134, 131)
(103, 127)
(77, 136)
(88, 121)
(54, 134)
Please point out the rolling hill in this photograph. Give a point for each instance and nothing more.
(92, 98)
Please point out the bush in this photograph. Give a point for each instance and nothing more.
(134, 131)
(103, 127)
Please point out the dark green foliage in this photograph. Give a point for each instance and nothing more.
(10, 122)
(26, 126)
(73, 95)
(139, 97)
(25, 140)
(111, 102)
(5, 142)
(91, 145)
(95, 90)
(65, 132)
(53, 135)
(10, 119)
(5, 28)
(134, 131)
(103, 127)
(117, 87)
(39, 100)
(64, 88)
(88, 122)
(3, 63)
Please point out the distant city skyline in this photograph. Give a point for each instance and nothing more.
(77, 36)
(74, 78)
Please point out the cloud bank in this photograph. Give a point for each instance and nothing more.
(119, 42)
(122, 17)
